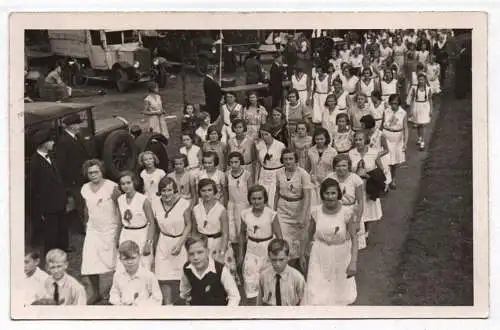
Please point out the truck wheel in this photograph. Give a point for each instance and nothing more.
(119, 153)
(121, 80)
(157, 143)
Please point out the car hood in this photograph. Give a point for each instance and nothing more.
(108, 124)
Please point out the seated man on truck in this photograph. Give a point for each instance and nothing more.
(54, 87)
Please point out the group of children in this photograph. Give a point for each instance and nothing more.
(236, 209)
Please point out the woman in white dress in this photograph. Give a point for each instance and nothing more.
(350, 83)
(433, 71)
(136, 217)
(300, 83)
(399, 51)
(182, 177)
(259, 225)
(420, 98)
(367, 84)
(395, 129)
(153, 108)
(293, 201)
(364, 160)
(340, 94)
(334, 251)
(150, 175)
(228, 109)
(173, 216)
(102, 223)
(388, 85)
(352, 187)
(268, 153)
(377, 108)
(330, 115)
(320, 90)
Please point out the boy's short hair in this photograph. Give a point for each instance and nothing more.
(196, 238)
(277, 245)
(32, 253)
(128, 249)
(56, 255)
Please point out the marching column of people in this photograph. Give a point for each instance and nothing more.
(274, 207)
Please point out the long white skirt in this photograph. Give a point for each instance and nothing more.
(303, 96)
(167, 266)
(395, 145)
(139, 236)
(327, 283)
(435, 86)
(234, 217)
(255, 261)
(290, 223)
(421, 112)
(267, 178)
(319, 100)
(99, 251)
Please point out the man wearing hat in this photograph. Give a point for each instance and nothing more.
(48, 200)
(213, 93)
(70, 156)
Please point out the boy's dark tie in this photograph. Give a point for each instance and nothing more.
(278, 290)
(56, 293)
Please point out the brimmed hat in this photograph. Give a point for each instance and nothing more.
(72, 119)
(41, 136)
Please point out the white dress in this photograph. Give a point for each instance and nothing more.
(227, 131)
(269, 166)
(171, 226)
(327, 283)
(99, 248)
(387, 89)
(238, 201)
(192, 156)
(378, 114)
(135, 225)
(259, 233)
(350, 86)
(301, 86)
(376, 143)
(420, 103)
(372, 210)
(329, 121)
(208, 224)
(348, 186)
(433, 77)
(183, 182)
(218, 177)
(151, 181)
(394, 135)
(158, 121)
(365, 88)
(319, 98)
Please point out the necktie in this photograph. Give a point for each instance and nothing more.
(56, 293)
(278, 290)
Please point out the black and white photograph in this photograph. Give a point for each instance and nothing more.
(183, 168)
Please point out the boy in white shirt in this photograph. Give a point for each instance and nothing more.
(135, 285)
(35, 277)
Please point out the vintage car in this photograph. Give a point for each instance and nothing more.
(107, 139)
(117, 56)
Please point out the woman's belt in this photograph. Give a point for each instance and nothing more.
(135, 228)
(260, 240)
(317, 239)
(291, 199)
(320, 93)
(393, 130)
(378, 119)
(352, 93)
(216, 235)
(170, 235)
(343, 151)
(425, 101)
(271, 169)
(301, 90)
(349, 204)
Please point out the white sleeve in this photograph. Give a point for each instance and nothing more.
(227, 280)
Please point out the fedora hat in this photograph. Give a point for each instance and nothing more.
(41, 136)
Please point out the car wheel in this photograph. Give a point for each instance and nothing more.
(121, 80)
(157, 143)
(119, 153)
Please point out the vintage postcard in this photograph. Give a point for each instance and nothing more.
(249, 165)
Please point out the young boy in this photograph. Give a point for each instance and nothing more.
(280, 285)
(34, 282)
(135, 285)
(206, 282)
(61, 287)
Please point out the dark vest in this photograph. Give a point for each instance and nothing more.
(208, 291)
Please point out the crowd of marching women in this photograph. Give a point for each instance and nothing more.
(275, 205)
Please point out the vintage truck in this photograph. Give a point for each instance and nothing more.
(117, 56)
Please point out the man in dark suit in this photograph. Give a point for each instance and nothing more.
(290, 55)
(276, 81)
(70, 156)
(48, 199)
(213, 93)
